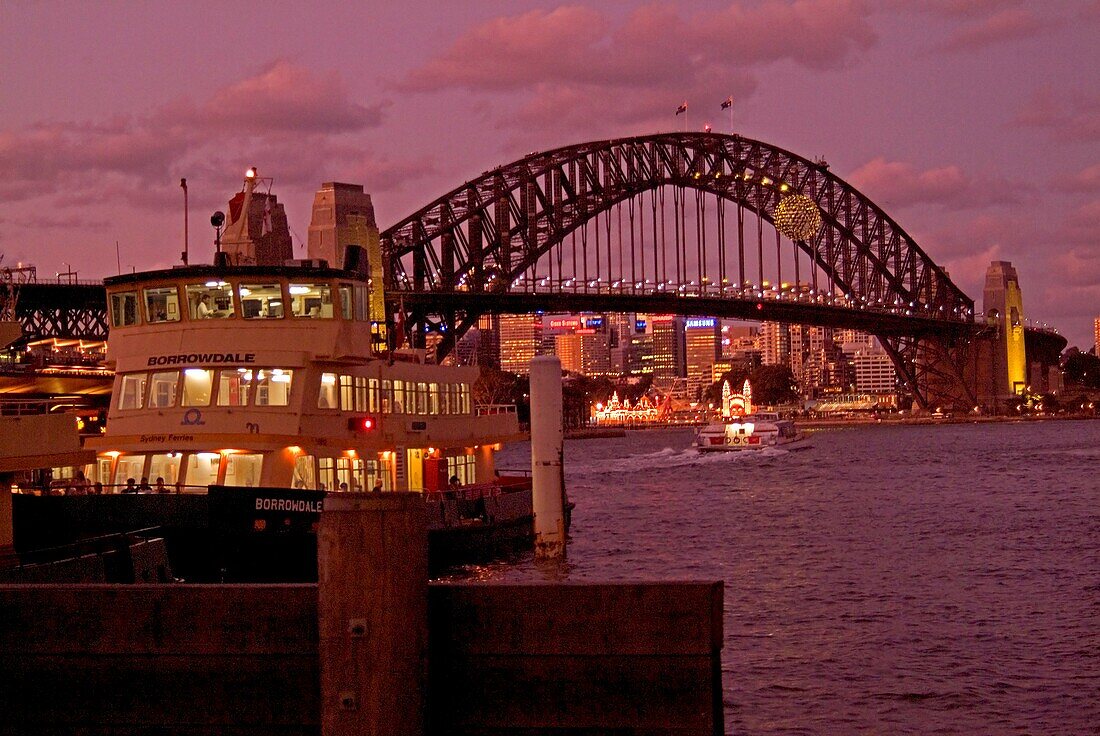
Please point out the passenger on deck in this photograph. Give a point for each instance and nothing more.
(203, 308)
(454, 483)
(161, 488)
(97, 489)
(343, 486)
(145, 487)
(377, 486)
(130, 486)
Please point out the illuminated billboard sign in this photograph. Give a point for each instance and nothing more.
(700, 322)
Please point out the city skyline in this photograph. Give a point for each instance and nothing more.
(995, 159)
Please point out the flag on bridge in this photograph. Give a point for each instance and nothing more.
(682, 108)
(728, 102)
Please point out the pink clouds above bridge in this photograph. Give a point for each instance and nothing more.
(975, 123)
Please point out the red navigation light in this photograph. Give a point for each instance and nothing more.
(361, 424)
(760, 306)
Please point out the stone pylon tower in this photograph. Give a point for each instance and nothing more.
(1004, 309)
(337, 209)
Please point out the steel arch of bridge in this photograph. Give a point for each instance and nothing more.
(464, 253)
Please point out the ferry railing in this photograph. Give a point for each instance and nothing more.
(483, 410)
(101, 545)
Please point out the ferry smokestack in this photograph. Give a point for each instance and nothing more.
(547, 446)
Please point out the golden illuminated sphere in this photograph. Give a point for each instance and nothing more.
(797, 217)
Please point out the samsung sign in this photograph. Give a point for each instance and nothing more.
(700, 322)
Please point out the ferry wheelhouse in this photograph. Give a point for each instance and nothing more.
(269, 376)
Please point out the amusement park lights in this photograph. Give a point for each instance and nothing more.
(797, 217)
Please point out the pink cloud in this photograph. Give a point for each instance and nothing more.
(576, 44)
(1008, 25)
(284, 113)
(1069, 116)
(575, 67)
(894, 184)
(957, 8)
(1085, 180)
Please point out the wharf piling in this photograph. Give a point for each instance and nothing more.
(372, 600)
(547, 447)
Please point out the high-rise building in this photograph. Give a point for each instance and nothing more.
(488, 340)
(775, 339)
(520, 341)
(1096, 335)
(702, 342)
(668, 346)
(874, 371)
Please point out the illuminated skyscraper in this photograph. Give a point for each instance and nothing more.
(702, 340)
(520, 341)
(1096, 335)
(668, 346)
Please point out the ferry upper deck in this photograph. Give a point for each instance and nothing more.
(273, 375)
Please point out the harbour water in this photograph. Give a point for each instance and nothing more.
(912, 579)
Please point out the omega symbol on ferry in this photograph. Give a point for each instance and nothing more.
(192, 417)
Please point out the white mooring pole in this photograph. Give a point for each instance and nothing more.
(547, 440)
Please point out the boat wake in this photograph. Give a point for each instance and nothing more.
(671, 457)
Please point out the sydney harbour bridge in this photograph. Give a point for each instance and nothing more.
(691, 224)
(695, 224)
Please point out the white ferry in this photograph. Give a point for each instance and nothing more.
(743, 429)
(248, 383)
(750, 432)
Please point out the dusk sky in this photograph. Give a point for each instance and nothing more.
(974, 123)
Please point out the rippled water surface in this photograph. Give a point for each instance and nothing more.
(924, 579)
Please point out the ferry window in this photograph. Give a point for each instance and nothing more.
(464, 398)
(243, 469)
(233, 386)
(349, 471)
(304, 477)
(162, 389)
(212, 300)
(372, 390)
(311, 300)
(347, 307)
(399, 397)
(326, 398)
(445, 398)
(326, 473)
(129, 466)
(362, 303)
(356, 478)
(162, 305)
(347, 401)
(462, 466)
(124, 311)
(360, 393)
(380, 470)
(131, 393)
(387, 396)
(198, 384)
(273, 386)
(261, 301)
(202, 469)
(103, 471)
(433, 398)
(422, 398)
(164, 466)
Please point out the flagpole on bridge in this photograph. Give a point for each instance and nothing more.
(727, 104)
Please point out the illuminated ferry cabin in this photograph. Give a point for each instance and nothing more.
(272, 376)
